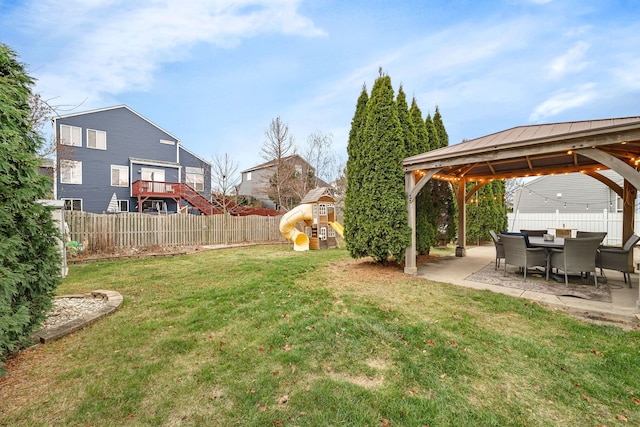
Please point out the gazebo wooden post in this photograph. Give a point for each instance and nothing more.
(628, 211)
(462, 218)
(410, 253)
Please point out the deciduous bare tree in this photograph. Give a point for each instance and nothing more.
(278, 147)
(319, 153)
(224, 179)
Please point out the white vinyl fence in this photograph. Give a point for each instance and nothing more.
(592, 221)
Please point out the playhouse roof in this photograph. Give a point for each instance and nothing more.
(316, 194)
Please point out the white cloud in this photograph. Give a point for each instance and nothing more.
(115, 46)
(571, 62)
(564, 100)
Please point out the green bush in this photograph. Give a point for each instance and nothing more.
(29, 259)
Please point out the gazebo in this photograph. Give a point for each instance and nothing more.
(527, 151)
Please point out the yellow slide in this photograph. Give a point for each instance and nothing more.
(337, 227)
(288, 226)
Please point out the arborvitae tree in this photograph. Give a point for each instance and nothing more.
(408, 129)
(425, 217)
(384, 231)
(446, 211)
(29, 257)
(486, 212)
(355, 208)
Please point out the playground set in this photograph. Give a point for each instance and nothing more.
(317, 211)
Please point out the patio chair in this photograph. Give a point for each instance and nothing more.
(534, 233)
(499, 248)
(517, 253)
(601, 234)
(578, 255)
(618, 258)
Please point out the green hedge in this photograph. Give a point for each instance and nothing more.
(29, 258)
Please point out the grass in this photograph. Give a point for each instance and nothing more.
(265, 336)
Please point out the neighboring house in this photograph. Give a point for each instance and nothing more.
(571, 193)
(115, 160)
(256, 180)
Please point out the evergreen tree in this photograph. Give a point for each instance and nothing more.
(425, 217)
(354, 206)
(446, 211)
(29, 258)
(383, 231)
(408, 129)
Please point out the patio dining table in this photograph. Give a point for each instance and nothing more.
(539, 242)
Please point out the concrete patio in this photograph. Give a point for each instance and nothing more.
(452, 269)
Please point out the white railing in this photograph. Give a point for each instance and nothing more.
(592, 221)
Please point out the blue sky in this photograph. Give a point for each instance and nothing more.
(215, 73)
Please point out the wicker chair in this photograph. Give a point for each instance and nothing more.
(499, 248)
(517, 253)
(619, 259)
(578, 255)
(534, 233)
(601, 234)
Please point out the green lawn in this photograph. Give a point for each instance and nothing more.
(263, 336)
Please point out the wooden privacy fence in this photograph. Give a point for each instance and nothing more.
(105, 232)
(600, 220)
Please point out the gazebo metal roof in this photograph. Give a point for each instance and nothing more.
(535, 150)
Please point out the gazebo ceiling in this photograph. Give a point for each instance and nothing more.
(535, 150)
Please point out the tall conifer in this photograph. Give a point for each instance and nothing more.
(354, 207)
(384, 231)
(29, 257)
(408, 129)
(425, 222)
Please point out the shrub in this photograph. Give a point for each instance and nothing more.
(29, 258)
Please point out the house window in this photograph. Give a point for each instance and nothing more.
(70, 135)
(70, 172)
(314, 210)
(195, 178)
(150, 174)
(123, 206)
(323, 209)
(72, 204)
(619, 204)
(332, 232)
(298, 169)
(168, 142)
(248, 174)
(322, 234)
(119, 176)
(96, 139)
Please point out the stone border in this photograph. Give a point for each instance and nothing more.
(114, 301)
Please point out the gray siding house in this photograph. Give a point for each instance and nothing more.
(255, 181)
(102, 154)
(571, 193)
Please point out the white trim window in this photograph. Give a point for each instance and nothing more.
(322, 233)
(72, 204)
(167, 142)
(119, 176)
(96, 139)
(332, 232)
(123, 206)
(70, 172)
(71, 135)
(195, 178)
(323, 209)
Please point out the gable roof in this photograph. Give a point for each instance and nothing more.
(316, 194)
(271, 163)
(534, 150)
(116, 107)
